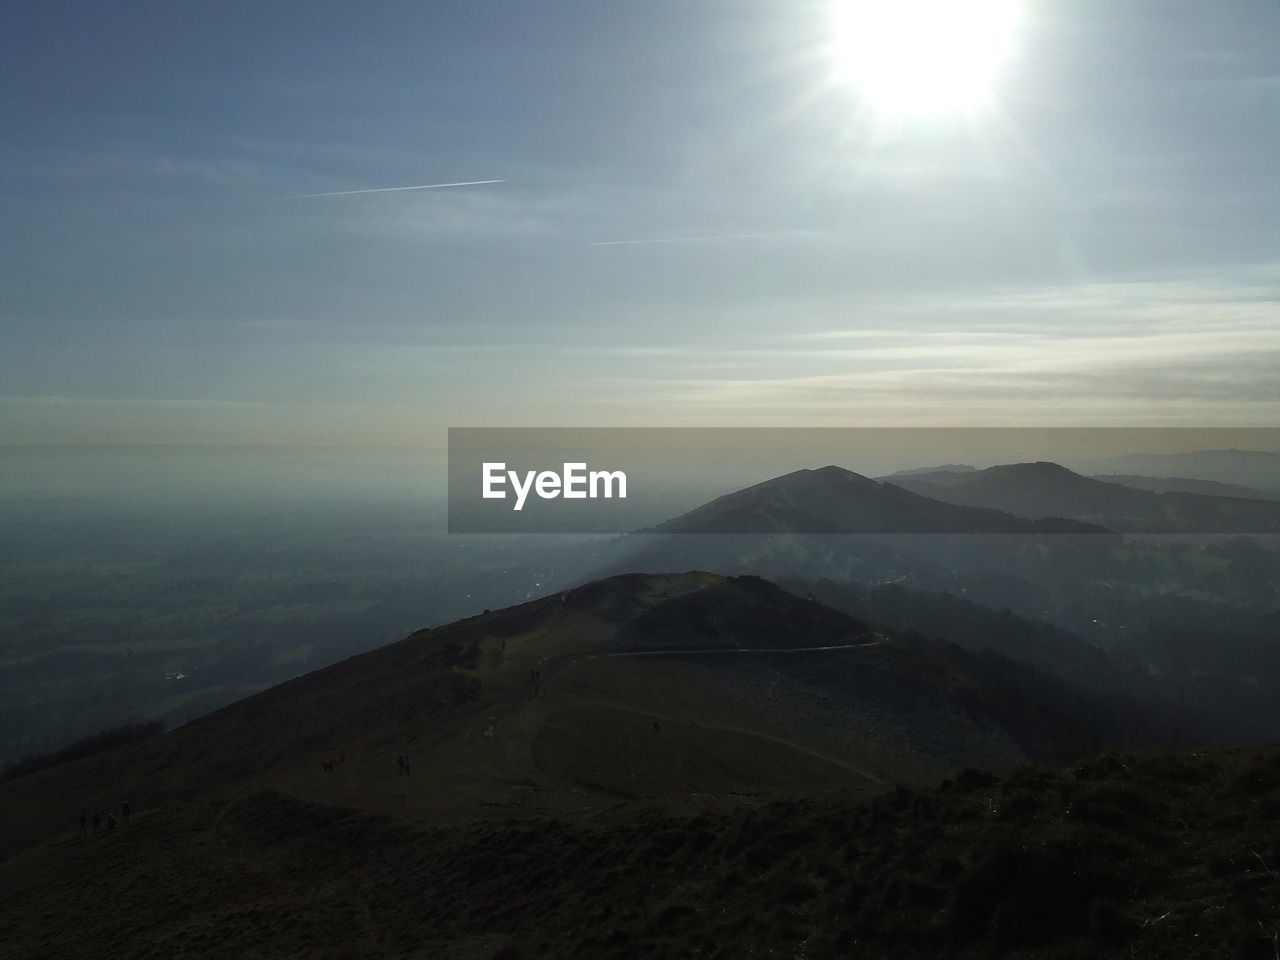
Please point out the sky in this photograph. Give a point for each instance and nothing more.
(1094, 243)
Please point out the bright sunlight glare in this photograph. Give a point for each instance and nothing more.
(923, 56)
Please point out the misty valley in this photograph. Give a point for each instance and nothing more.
(108, 619)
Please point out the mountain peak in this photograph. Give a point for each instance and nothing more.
(832, 472)
(832, 499)
(829, 472)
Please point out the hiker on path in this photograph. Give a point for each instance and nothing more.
(406, 764)
(124, 812)
(111, 822)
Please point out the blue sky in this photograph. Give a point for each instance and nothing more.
(1097, 245)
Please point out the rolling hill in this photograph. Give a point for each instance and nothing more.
(1212, 488)
(647, 766)
(1251, 468)
(832, 500)
(1042, 489)
(506, 703)
(832, 523)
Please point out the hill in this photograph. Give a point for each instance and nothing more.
(832, 500)
(1251, 468)
(1188, 627)
(1041, 645)
(835, 524)
(942, 468)
(507, 705)
(575, 739)
(1130, 855)
(1213, 488)
(1043, 489)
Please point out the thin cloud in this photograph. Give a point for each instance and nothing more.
(59, 400)
(420, 186)
(727, 236)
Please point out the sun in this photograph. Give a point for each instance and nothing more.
(912, 57)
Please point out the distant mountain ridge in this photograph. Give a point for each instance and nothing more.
(1045, 488)
(1250, 468)
(1212, 488)
(833, 500)
(944, 468)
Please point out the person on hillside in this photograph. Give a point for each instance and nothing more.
(406, 764)
(111, 822)
(84, 823)
(124, 812)
(402, 762)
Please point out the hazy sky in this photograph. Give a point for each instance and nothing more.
(1097, 244)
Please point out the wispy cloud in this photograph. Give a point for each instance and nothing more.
(419, 186)
(156, 402)
(726, 236)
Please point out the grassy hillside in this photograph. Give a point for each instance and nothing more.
(1128, 856)
(676, 765)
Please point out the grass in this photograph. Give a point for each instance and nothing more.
(499, 845)
(1137, 856)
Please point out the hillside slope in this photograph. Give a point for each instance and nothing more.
(832, 500)
(566, 754)
(500, 711)
(1213, 488)
(1032, 490)
(1130, 856)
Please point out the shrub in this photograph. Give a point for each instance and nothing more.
(1028, 898)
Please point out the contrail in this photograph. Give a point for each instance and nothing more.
(727, 236)
(421, 186)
